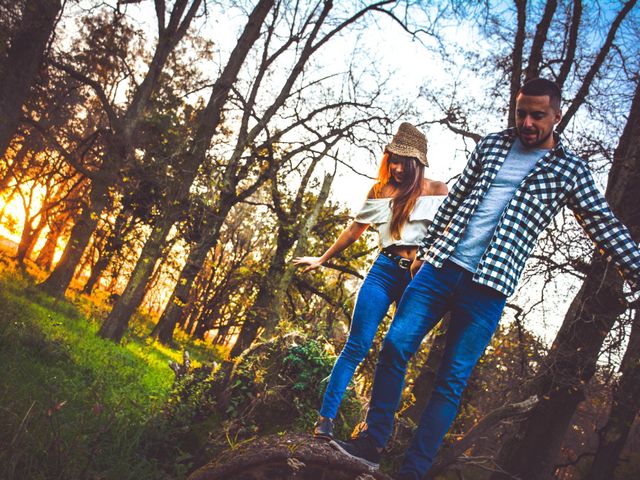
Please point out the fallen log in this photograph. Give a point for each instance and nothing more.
(285, 457)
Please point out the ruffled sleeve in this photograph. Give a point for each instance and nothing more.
(426, 207)
(375, 211)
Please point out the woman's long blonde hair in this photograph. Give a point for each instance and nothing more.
(409, 191)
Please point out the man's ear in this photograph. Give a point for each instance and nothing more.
(558, 116)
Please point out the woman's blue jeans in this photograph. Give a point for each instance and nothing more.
(382, 286)
(475, 313)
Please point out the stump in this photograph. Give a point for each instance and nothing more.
(285, 457)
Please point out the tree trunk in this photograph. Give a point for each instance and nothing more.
(452, 454)
(59, 280)
(163, 330)
(190, 323)
(285, 457)
(571, 363)
(222, 336)
(116, 323)
(572, 360)
(262, 312)
(567, 61)
(207, 124)
(45, 257)
(28, 239)
(535, 55)
(265, 311)
(16, 163)
(626, 403)
(19, 70)
(201, 330)
(96, 272)
(112, 244)
(516, 59)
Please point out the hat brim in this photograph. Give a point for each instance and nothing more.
(408, 151)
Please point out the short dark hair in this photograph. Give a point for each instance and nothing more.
(540, 87)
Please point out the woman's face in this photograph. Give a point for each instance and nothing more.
(396, 169)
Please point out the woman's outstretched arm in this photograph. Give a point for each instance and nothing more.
(348, 236)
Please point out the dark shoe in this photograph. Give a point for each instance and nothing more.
(323, 428)
(362, 448)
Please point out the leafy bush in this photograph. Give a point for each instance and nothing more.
(275, 387)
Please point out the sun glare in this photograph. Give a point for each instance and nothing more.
(13, 216)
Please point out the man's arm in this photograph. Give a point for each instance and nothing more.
(456, 195)
(607, 232)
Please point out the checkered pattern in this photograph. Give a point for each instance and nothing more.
(559, 178)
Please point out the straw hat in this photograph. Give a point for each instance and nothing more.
(409, 142)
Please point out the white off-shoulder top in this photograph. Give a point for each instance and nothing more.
(377, 213)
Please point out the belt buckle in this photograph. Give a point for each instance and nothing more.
(404, 263)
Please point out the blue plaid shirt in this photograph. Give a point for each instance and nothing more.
(559, 178)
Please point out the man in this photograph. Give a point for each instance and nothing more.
(475, 250)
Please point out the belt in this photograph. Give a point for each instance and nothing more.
(402, 262)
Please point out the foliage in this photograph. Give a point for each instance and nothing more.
(275, 387)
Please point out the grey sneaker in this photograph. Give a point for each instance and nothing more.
(361, 448)
(323, 428)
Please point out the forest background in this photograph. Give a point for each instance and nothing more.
(162, 162)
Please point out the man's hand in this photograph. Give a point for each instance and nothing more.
(415, 266)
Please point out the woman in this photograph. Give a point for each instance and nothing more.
(400, 205)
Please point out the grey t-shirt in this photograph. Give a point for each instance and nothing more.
(479, 231)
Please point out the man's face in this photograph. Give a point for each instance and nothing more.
(535, 119)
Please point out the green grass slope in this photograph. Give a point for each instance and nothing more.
(73, 405)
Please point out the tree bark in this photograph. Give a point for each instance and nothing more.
(624, 409)
(261, 312)
(449, 455)
(266, 309)
(96, 272)
(207, 125)
(572, 360)
(165, 327)
(288, 457)
(58, 282)
(516, 58)
(626, 398)
(45, 257)
(112, 244)
(18, 72)
(540, 38)
(117, 321)
(28, 239)
(567, 62)
(17, 161)
(571, 363)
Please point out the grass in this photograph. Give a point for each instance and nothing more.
(73, 405)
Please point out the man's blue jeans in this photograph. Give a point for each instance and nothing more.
(383, 285)
(475, 313)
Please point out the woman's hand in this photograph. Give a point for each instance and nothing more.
(313, 262)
